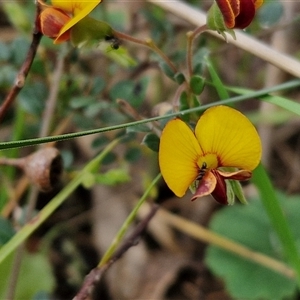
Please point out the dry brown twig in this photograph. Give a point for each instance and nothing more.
(24, 70)
(96, 274)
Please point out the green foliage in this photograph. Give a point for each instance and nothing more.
(250, 226)
(197, 84)
(19, 16)
(33, 96)
(90, 31)
(270, 13)
(133, 92)
(6, 231)
(91, 82)
(35, 276)
(113, 177)
(151, 140)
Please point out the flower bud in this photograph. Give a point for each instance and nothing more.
(51, 21)
(234, 14)
(43, 168)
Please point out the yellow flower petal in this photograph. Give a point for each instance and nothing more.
(80, 9)
(231, 136)
(74, 6)
(178, 155)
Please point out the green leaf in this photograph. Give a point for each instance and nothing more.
(81, 101)
(113, 177)
(4, 52)
(199, 59)
(229, 193)
(270, 13)
(215, 21)
(197, 84)
(7, 76)
(35, 276)
(179, 78)
(100, 141)
(33, 96)
(17, 15)
(217, 82)
(98, 86)
(151, 140)
(89, 32)
(19, 49)
(89, 180)
(277, 216)
(280, 101)
(238, 191)
(167, 70)
(138, 128)
(250, 226)
(6, 231)
(183, 105)
(133, 154)
(133, 92)
(120, 55)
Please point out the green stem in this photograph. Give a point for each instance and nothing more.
(278, 220)
(258, 94)
(147, 43)
(43, 215)
(119, 237)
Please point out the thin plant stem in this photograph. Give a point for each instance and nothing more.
(243, 40)
(63, 195)
(96, 274)
(147, 43)
(119, 237)
(263, 93)
(23, 72)
(53, 95)
(13, 280)
(32, 199)
(191, 35)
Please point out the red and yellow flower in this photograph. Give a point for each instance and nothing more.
(223, 138)
(56, 21)
(238, 13)
(226, 15)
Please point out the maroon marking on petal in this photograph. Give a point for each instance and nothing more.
(227, 12)
(246, 15)
(206, 186)
(219, 192)
(237, 175)
(235, 6)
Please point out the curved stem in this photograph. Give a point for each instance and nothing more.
(24, 70)
(191, 35)
(147, 43)
(62, 196)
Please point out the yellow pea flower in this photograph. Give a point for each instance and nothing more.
(223, 137)
(56, 21)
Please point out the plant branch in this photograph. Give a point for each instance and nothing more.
(23, 72)
(242, 41)
(62, 196)
(96, 274)
(147, 43)
(263, 94)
